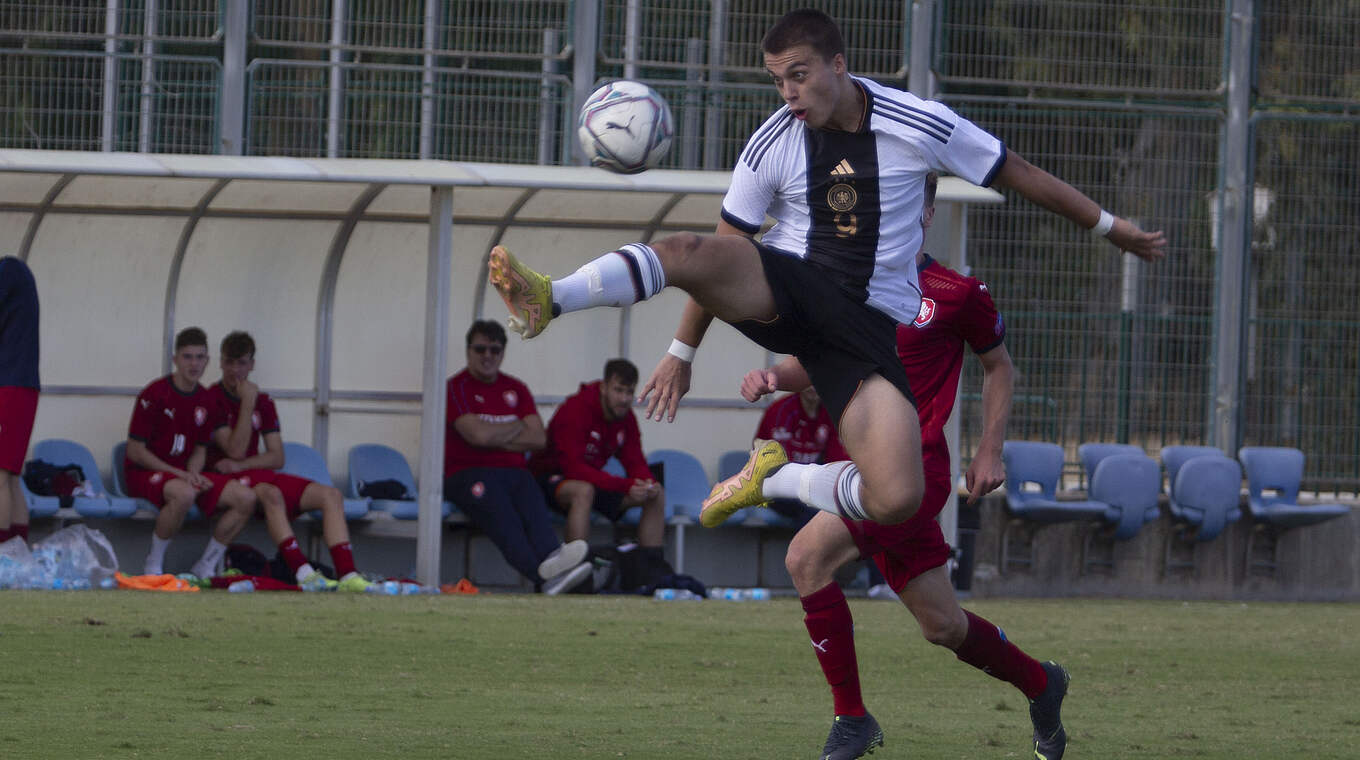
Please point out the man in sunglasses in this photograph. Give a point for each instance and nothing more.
(491, 422)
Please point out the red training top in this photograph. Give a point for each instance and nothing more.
(502, 400)
(580, 441)
(954, 308)
(806, 440)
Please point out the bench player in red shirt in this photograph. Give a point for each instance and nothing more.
(246, 415)
(588, 428)
(18, 389)
(955, 309)
(166, 450)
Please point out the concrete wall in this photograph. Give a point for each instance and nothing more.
(1320, 562)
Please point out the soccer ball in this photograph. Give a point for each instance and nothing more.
(625, 127)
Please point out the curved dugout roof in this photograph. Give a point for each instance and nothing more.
(51, 192)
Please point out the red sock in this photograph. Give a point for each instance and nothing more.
(343, 558)
(288, 547)
(833, 638)
(20, 530)
(986, 648)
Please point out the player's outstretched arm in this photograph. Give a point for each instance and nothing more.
(670, 380)
(987, 471)
(1061, 198)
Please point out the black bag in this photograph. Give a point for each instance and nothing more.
(280, 571)
(47, 479)
(639, 568)
(247, 559)
(383, 489)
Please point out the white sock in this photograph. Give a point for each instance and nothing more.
(831, 487)
(304, 571)
(155, 559)
(619, 278)
(207, 564)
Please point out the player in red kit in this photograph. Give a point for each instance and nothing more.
(586, 430)
(955, 310)
(168, 435)
(247, 415)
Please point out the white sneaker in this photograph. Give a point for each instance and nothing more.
(202, 570)
(882, 591)
(562, 559)
(568, 580)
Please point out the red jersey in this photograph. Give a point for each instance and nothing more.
(806, 440)
(580, 441)
(954, 309)
(265, 419)
(171, 422)
(503, 400)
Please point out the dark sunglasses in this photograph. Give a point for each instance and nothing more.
(482, 348)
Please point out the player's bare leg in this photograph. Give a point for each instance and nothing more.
(930, 599)
(882, 434)
(652, 524)
(577, 497)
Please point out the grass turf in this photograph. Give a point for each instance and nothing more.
(143, 675)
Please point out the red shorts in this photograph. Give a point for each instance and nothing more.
(292, 487)
(18, 407)
(908, 549)
(150, 485)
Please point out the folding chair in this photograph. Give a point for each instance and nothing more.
(1033, 469)
(1274, 475)
(306, 462)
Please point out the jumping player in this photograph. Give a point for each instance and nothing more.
(841, 167)
(245, 415)
(955, 310)
(167, 447)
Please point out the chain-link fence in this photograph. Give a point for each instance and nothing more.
(1130, 102)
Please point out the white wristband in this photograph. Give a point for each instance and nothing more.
(1104, 225)
(682, 351)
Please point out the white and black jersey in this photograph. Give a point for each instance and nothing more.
(851, 202)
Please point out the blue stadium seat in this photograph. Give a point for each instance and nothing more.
(1206, 493)
(306, 462)
(686, 483)
(39, 506)
(1206, 507)
(1091, 455)
(1273, 478)
(1130, 486)
(59, 451)
(372, 462)
(1033, 469)
(119, 488)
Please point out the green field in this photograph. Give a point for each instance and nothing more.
(282, 676)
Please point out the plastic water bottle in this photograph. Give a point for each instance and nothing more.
(756, 594)
(664, 595)
(240, 587)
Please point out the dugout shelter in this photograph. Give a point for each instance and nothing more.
(358, 279)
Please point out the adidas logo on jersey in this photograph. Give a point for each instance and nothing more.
(843, 169)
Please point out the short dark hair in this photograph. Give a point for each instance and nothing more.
(932, 181)
(191, 336)
(806, 26)
(624, 370)
(487, 328)
(238, 344)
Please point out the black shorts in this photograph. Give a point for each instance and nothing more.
(607, 503)
(839, 341)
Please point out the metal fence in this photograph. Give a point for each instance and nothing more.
(1132, 102)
